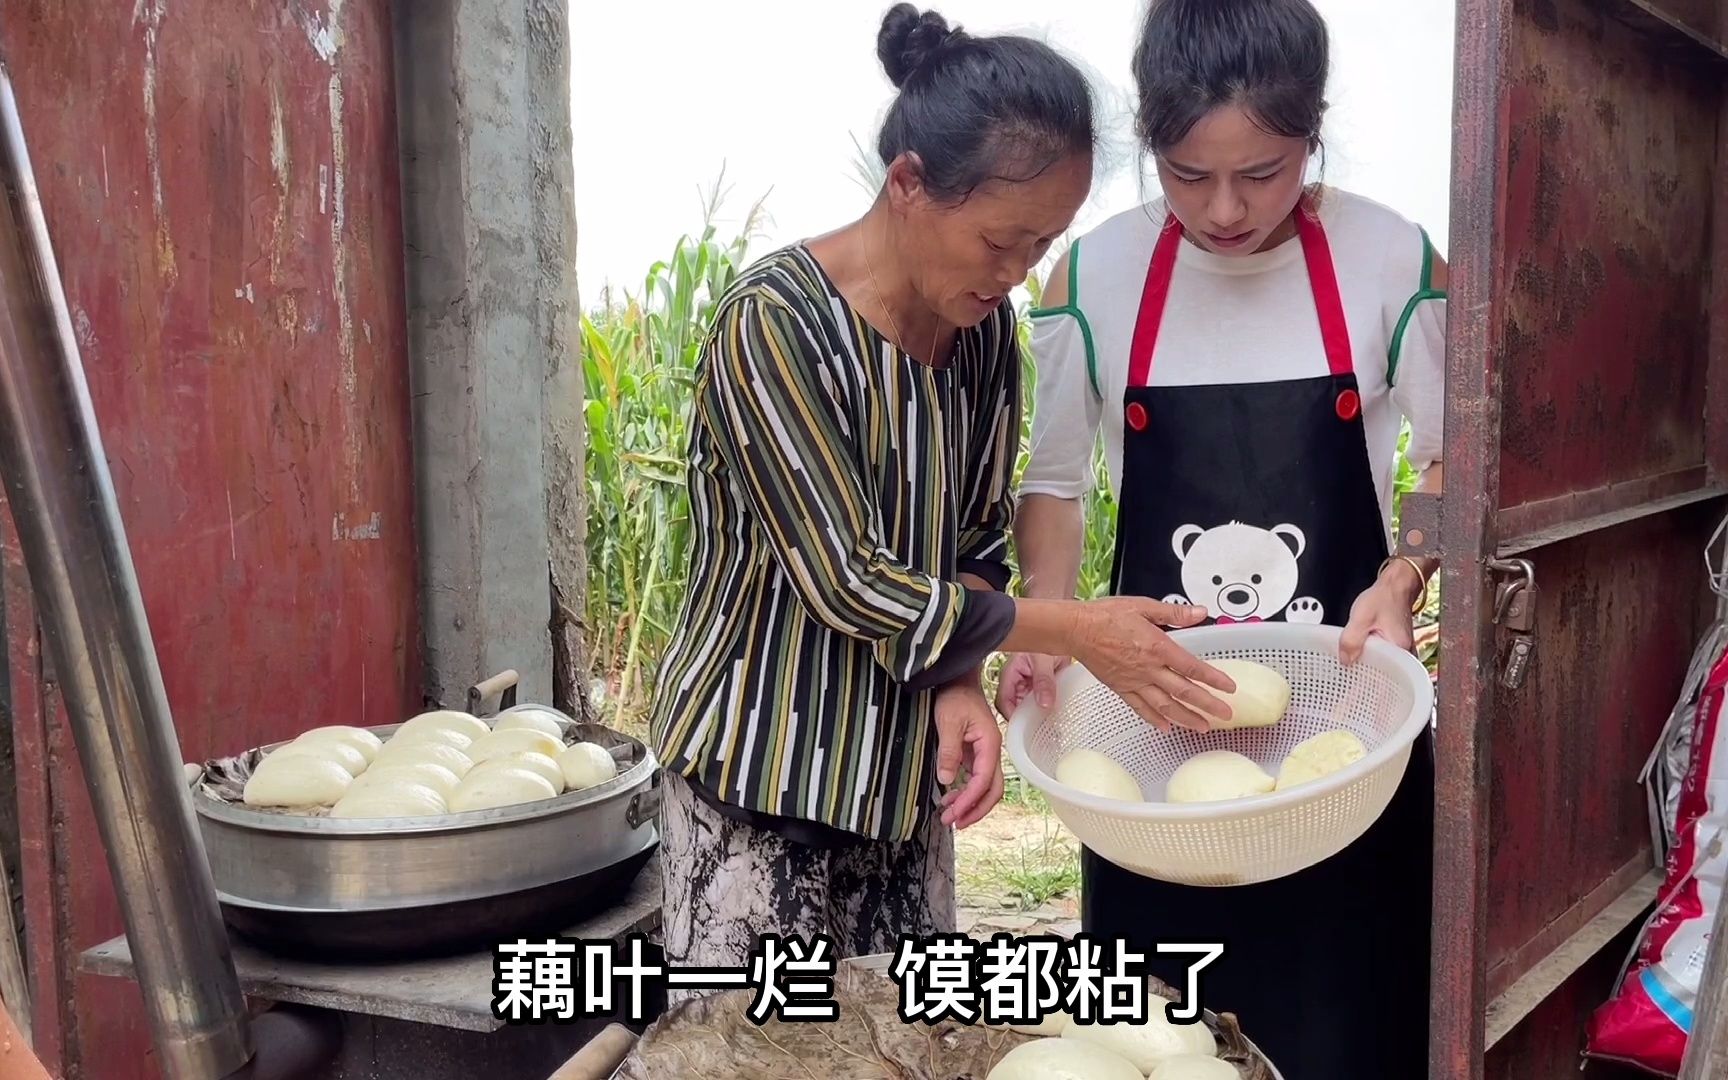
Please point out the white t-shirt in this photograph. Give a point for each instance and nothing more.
(1239, 320)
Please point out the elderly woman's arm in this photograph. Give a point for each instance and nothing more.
(776, 412)
(780, 424)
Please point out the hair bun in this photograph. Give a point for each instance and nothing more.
(909, 39)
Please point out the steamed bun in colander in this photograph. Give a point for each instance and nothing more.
(1217, 775)
(1320, 755)
(1261, 698)
(1095, 774)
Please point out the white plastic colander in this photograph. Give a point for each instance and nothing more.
(1385, 698)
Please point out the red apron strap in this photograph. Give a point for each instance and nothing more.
(1152, 297)
(1323, 278)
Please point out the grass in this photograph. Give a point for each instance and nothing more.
(1020, 858)
(639, 359)
(1025, 880)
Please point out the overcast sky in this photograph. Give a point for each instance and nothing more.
(667, 92)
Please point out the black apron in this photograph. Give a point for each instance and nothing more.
(1258, 502)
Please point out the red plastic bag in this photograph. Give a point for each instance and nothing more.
(1647, 1021)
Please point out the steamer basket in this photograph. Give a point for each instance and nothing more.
(1386, 699)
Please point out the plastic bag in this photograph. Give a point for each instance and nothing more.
(1647, 1021)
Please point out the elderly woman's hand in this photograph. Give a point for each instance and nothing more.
(967, 734)
(1120, 642)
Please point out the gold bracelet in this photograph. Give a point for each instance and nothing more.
(1422, 598)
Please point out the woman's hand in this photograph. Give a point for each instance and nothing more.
(967, 734)
(1028, 673)
(1119, 640)
(1384, 611)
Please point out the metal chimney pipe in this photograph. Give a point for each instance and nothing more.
(93, 620)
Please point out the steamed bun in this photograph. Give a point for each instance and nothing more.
(1053, 1024)
(1318, 756)
(1096, 774)
(1262, 695)
(1063, 1059)
(431, 733)
(1147, 1045)
(533, 719)
(446, 720)
(429, 753)
(296, 781)
(494, 788)
(329, 749)
(1195, 1067)
(514, 741)
(359, 738)
(395, 774)
(390, 799)
(1217, 775)
(586, 765)
(532, 760)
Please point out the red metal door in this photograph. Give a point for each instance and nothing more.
(1586, 434)
(220, 180)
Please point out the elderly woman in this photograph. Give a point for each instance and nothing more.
(856, 421)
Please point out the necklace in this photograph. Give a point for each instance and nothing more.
(899, 338)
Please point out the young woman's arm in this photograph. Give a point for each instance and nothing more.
(1417, 368)
(1049, 528)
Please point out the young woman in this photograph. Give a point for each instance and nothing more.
(855, 427)
(1247, 345)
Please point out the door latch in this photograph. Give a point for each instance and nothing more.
(1515, 610)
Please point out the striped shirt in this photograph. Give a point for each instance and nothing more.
(838, 488)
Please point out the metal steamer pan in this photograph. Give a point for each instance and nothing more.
(394, 888)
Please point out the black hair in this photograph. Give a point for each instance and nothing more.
(1270, 57)
(976, 109)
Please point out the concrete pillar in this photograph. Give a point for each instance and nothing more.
(484, 107)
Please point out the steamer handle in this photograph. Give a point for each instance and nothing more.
(501, 686)
(644, 806)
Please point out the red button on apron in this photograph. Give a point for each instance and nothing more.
(1136, 416)
(1349, 404)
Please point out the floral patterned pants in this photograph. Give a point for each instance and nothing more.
(727, 883)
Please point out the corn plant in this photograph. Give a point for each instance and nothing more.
(639, 361)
